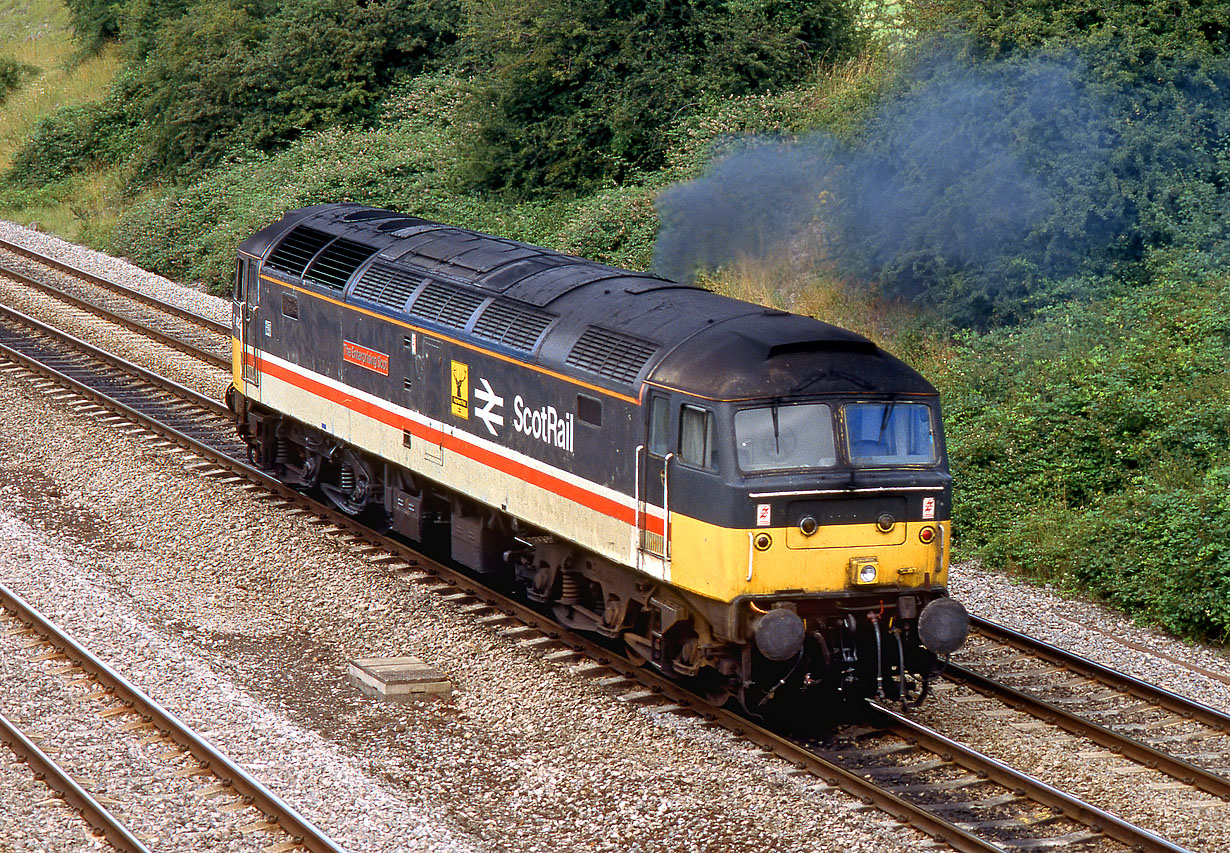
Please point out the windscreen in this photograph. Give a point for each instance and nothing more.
(798, 436)
(890, 433)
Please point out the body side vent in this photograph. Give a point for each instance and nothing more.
(446, 305)
(516, 326)
(334, 266)
(387, 285)
(611, 354)
(297, 249)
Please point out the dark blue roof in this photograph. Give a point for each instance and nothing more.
(617, 327)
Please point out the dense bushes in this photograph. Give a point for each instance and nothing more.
(12, 75)
(404, 163)
(1093, 449)
(71, 140)
(94, 21)
(568, 93)
(985, 190)
(581, 90)
(208, 79)
(224, 77)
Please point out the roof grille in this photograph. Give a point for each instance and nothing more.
(446, 305)
(334, 266)
(513, 325)
(297, 249)
(611, 354)
(387, 285)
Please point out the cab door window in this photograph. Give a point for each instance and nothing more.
(697, 440)
(238, 294)
(659, 426)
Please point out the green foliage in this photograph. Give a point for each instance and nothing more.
(1140, 30)
(991, 189)
(190, 232)
(581, 89)
(12, 75)
(1092, 449)
(71, 140)
(140, 23)
(226, 77)
(94, 21)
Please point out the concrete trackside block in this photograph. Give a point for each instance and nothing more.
(398, 679)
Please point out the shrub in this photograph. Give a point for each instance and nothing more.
(225, 76)
(12, 75)
(1092, 449)
(985, 190)
(70, 140)
(94, 21)
(190, 232)
(581, 89)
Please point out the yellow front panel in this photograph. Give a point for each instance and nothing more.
(848, 536)
(714, 561)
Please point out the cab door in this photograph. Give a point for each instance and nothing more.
(246, 319)
(654, 459)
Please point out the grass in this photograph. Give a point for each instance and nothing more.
(37, 32)
(61, 81)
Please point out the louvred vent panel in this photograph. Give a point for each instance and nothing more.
(334, 266)
(611, 354)
(516, 326)
(297, 250)
(387, 285)
(449, 306)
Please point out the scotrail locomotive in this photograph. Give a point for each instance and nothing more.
(751, 500)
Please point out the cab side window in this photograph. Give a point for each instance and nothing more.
(697, 442)
(238, 294)
(659, 426)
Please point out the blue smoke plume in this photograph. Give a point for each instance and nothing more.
(967, 172)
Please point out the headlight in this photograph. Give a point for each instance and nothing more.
(863, 570)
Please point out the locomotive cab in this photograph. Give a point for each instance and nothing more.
(831, 495)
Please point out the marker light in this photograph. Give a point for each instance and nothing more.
(926, 535)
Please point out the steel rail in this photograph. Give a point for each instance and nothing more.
(1155, 759)
(132, 293)
(111, 316)
(57, 779)
(227, 771)
(119, 362)
(899, 808)
(1181, 705)
(1099, 820)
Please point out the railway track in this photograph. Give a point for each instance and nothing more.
(180, 328)
(958, 797)
(123, 719)
(1161, 730)
(118, 384)
(76, 797)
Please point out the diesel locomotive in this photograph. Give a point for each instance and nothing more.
(751, 500)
